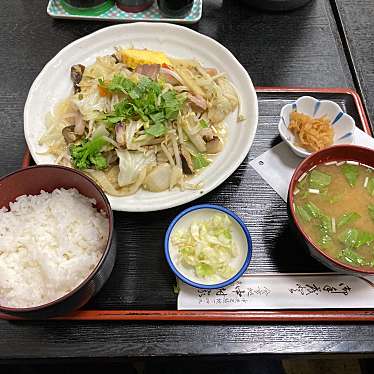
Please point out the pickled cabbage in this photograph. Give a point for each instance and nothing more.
(207, 247)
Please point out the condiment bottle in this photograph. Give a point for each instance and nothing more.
(175, 8)
(86, 7)
(134, 6)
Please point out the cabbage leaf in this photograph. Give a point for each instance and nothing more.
(208, 247)
(131, 163)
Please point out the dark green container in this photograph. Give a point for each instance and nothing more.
(87, 7)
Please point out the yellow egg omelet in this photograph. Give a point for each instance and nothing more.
(135, 57)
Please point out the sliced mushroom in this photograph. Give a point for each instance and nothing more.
(80, 125)
(111, 156)
(69, 135)
(214, 146)
(76, 74)
(187, 164)
(207, 134)
(116, 59)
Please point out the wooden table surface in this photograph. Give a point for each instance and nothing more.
(300, 48)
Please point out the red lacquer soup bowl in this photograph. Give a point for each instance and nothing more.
(335, 153)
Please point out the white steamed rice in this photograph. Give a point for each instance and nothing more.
(49, 243)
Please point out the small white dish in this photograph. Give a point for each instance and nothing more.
(201, 212)
(343, 124)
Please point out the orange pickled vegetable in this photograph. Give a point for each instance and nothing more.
(311, 133)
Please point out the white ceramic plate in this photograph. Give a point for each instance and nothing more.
(54, 84)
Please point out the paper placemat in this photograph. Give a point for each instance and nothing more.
(283, 291)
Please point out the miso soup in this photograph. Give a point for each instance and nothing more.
(334, 205)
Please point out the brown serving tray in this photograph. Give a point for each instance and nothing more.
(141, 285)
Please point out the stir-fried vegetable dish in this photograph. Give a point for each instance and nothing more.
(141, 119)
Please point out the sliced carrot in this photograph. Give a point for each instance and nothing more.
(102, 91)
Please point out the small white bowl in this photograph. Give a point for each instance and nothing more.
(240, 233)
(343, 124)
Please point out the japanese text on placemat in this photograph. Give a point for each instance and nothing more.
(313, 289)
(238, 294)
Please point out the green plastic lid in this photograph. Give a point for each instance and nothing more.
(92, 11)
